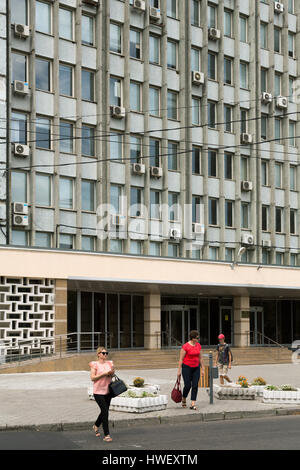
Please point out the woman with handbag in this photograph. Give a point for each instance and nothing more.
(101, 374)
(189, 365)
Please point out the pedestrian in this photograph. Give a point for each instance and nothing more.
(189, 365)
(223, 359)
(101, 374)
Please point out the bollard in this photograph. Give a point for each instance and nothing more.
(211, 382)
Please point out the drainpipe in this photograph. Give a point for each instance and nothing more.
(8, 120)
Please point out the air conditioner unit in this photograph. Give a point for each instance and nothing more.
(156, 171)
(20, 208)
(266, 97)
(154, 14)
(247, 185)
(247, 239)
(139, 5)
(21, 88)
(198, 229)
(246, 138)
(20, 220)
(278, 7)
(281, 102)
(118, 220)
(92, 2)
(21, 150)
(175, 233)
(214, 34)
(198, 78)
(138, 168)
(266, 244)
(21, 30)
(118, 112)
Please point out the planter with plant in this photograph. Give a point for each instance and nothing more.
(285, 394)
(138, 402)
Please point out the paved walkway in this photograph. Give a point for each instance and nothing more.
(59, 400)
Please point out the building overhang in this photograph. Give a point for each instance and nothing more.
(108, 272)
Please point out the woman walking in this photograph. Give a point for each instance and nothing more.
(189, 365)
(101, 373)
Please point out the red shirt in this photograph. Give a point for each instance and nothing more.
(192, 354)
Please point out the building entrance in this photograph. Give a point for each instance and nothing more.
(256, 326)
(176, 323)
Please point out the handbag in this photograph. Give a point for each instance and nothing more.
(176, 394)
(117, 386)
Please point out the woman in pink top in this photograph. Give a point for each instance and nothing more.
(189, 365)
(101, 373)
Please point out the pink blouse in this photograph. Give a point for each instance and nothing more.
(101, 386)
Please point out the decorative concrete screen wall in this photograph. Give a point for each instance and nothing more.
(26, 315)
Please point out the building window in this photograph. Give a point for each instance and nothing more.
(227, 71)
(212, 163)
(88, 141)
(154, 152)
(154, 249)
(228, 160)
(135, 97)
(279, 258)
(172, 55)
(292, 133)
(87, 30)
(229, 254)
(173, 206)
(172, 104)
(135, 44)
(87, 243)
(173, 250)
(229, 209)
(172, 155)
(136, 202)
(87, 85)
(213, 253)
(19, 67)
(243, 29)
(116, 146)
(154, 49)
(264, 126)
(196, 160)
(264, 80)
(66, 241)
(135, 149)
(291, 45)
(172, 8)
(278, 175)
(264, 172)
(196, 206)
(293, 178)
(245, 215)
(228, 23)
(212, 16)
(42, 17)
(244, 168)
(115, 198)
(278, 219)
(66, 137)
(43, 239)
(263, 35)
(265, 256)
(212, 211)
(115, 38)
(291, 6)
(277, 40)
(293, 221)
(244, 75)
(43, 185)
(19, 128)
(19, 189)
(42, 74)
(211, 109)
(115, 91)
(195, 59)
(43, 133)
(19, 10)
(87, 195)
(65, 24)
(277, 123)
(264, 218)
(65, 80)
(244, 120)
(155, 204)
(154, 101)
(196, 111)
(136, 247)
(116, 246)
(227, 118)
(195, 12)
(212, 70)
(19, 238)
(65, 193)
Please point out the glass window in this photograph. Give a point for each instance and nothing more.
(195, 12)
(213, 253)
(293, 221)
(173, 206)
(154, 152)
(19, 67)
(212, 163)
(264, 126)
(43, 239)
(292, 133)
(66, 241)
(195, 59)
(171, 8)
(291, 6)
(211, 107)
(116, 146)
(228, 23)
(278, 219)
(277, 122)
(211, 66)
(135, 44)
(43, 190)
(66, 137)
(18, 11)
(135, 247)
(115, 91)
(87, 243)
(154, 49)
(19, 237)
(65, 24)
(212, 16)
(227, 70)
(229, 254)
(227, 118)
(243, 29)
(196, 160)
(244, 168)
(136, 201)
(135, 97)
(18, 186)
(277, 85)
(264, 218)
(116, 246)
(135, 149)
(228, 166)
(43, 133)
(173, 250)
(154, 248)
(155, 204)
(172, 155)
(87, 195)
(42, 17)
(263, 35)
(229, 205)
(264, 80)
(293, 178)
(172, 54)
(277, 40)
(65, 193)
(244, 120)
(88, 141)
(196, 110)
(245, 216)
(65, 80)
(19, 128)
(196, 208)
(154, 101)
(279, 258)
(115, 195)
(212, 211)
(291, 44)
(87, 85)
(243, 75)
(42, 74)
(87, 31)
(172, 105)
(278, 175)
(115, 38)
(264, 172)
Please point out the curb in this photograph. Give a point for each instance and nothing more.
(154, 421)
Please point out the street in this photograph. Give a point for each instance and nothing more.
(276, 433)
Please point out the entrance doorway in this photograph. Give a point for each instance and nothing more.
(256, 326)
(176, 323)
(226, 325)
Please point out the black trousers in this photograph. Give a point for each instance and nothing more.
(103, 401)
(191, 376)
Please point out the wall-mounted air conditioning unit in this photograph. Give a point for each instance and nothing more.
(247, 185)
(20, 208)
(138, 168)
(198, 229)
(156, 171)
(247, 239)
(246, 138)
(266, 244)
(118, 219)
(198, 78)
(20, 220)
(278, 7)
(21, 30)
(154, 14)
(21, 88)
(21, 150)
(214, 34)
(175, 233)
(281, 102)
(139, 5)
(92, 2)
(117, 112)
(266, 97)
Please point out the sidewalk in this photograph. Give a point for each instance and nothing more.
(59, 400)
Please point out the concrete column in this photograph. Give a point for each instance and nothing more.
(152, 321)
(241, 318)
(61, 312)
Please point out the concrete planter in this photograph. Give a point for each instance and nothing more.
(234, 393)
(153, 389)
(259, 389)
(139, 405)
(279, 396)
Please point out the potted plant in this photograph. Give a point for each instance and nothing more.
(259, 384)
(284, 394)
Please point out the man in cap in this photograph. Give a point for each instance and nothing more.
(223, 359)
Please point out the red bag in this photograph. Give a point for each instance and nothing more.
(176, 394)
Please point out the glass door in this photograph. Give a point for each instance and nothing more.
(176, 323)
(226, 323)
(256, 326)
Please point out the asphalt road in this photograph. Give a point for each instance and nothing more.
(276, 433)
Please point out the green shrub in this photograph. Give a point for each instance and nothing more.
(288, 388)
(138, 382)
(272, 388)
(259, 381)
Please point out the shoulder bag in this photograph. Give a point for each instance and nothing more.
(117, 386)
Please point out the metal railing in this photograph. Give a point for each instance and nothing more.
(261, 339)
(169, 341)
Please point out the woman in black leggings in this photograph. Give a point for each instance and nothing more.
(189, 366)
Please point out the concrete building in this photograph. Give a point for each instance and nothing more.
(149, 179)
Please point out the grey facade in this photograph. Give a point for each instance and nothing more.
(72, 135)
